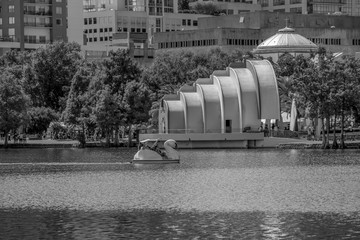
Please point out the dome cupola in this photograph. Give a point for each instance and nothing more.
(286, 40)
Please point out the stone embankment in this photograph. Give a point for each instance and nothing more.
(315, 145)
(48, 143)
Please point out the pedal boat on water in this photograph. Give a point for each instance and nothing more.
(153, 155)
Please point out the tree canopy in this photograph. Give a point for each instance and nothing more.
(323, 86)
(13, 103)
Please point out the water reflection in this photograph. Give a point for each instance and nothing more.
(65, 224)
(212, 194)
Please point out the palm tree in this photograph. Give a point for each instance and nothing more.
(285, 94)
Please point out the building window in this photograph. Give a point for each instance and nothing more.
(94, 20)
(58, 10)
(296, 10)
(0, 21)
(101, 30)
(184, 22)
(195, 23)
(42, 39)
(264, 3)
(58, 21)
(11, 8)
(189, 22)
(85, 21)
(356, 42)
(90, 30)
(95, 30)
(101, 39)
(11, 32)
(278, 2)
(30, 38)
(11, 20)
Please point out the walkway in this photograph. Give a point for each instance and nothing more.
(47, 143)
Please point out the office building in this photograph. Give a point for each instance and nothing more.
(247, 30)
(229, 7)
(28, 24)
(337, 7)
(114, 24)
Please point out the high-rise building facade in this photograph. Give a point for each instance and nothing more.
(244, 32)
(230, 7)
(113, 24)
(337, 7)
(28, 24)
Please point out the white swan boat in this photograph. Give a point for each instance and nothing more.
(153, 155)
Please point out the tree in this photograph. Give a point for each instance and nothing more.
(206, 8)
(47, 77)
(285, 65)
(312, 88)
(346, 90)
(108, 112)
(183, 5)
(108, 89)
(136, 103)
(40, 118)
(13, 103)
(119, 70)
(286, 93)
(78, 105)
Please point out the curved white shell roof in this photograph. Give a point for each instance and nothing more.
(237, 98)
(286, 40)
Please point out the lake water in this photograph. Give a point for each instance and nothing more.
(212, 194)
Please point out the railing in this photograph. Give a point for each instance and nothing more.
(8, 39)
(329, 1)
(31, 24)
(36, 41)
(185, 131)
(41, 13)
(38, 1)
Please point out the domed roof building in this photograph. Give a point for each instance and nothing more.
(286, 40)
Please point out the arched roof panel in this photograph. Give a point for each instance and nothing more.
(209, 96)
(193, 112)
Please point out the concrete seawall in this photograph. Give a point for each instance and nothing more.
(267, 142)
(316, 145)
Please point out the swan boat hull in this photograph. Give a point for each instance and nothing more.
(149, 161)
(150, 156)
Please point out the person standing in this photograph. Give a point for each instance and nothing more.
(266, 131)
